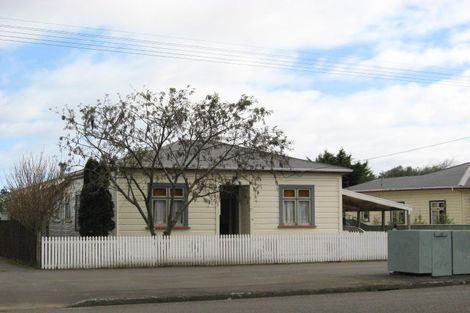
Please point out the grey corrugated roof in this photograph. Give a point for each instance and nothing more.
(256, 163)
(453, 177)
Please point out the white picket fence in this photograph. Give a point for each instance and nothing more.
(112, 252)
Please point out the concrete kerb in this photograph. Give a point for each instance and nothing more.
(266, 294)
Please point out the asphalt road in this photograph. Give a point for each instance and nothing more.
(429, 300)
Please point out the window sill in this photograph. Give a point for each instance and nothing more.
(297, 226)
(178, 227)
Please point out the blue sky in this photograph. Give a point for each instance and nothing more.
(424, 44)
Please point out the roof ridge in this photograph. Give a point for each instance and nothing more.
(398, 177)
(316, 162)
(444, 169)
(448, 168)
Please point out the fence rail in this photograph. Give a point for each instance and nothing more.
(111, 252)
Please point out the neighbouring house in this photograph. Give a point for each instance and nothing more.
(298, 197)
(438, 197)
(64, 221)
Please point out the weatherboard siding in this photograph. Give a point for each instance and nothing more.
(465, 200)
(456, 208)
(265, 206)
(203, 217)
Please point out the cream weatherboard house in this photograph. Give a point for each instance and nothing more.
(302, 197)
(433, 197)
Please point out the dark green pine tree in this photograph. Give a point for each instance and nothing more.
(361, 171)
(95, 215)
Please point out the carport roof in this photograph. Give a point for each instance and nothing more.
(354, 201)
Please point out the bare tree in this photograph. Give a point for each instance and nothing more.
(149, 137)
(36, 188)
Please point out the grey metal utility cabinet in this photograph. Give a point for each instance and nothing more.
(420, 252)
(460, 252)
(441, 253)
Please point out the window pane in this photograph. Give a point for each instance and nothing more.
(437, 204)
(77, 202)
(304, 193)
(177, 192)
(56, 214)
(402, 216)
(178, 205)
(434, 216)
(159, 212)
(289, 207)
(159, 192)
(304, 210)
(398, 217)
(67, 213)
(77, 208)
(289, 193)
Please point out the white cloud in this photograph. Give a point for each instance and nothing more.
(366, 123)
(401, 57)
(377, 122)
(277, 24)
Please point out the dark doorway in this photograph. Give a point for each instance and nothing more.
(229, 210)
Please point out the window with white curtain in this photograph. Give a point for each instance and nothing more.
(296, 204)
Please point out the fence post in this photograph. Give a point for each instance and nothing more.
(38, 250)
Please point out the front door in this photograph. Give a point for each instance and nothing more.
(229, 210)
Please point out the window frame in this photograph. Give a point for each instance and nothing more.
(168, 187)
(67, 210)
(56, 214)
(296, 200)
(397, 213)
(430, 209)
(76, 210)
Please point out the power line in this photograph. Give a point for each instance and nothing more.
(200, 52)
(416, 149)
(334, 56)
(290, 58)
(208, 56)
(215, 59)
(273, 58)
(192, 39)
